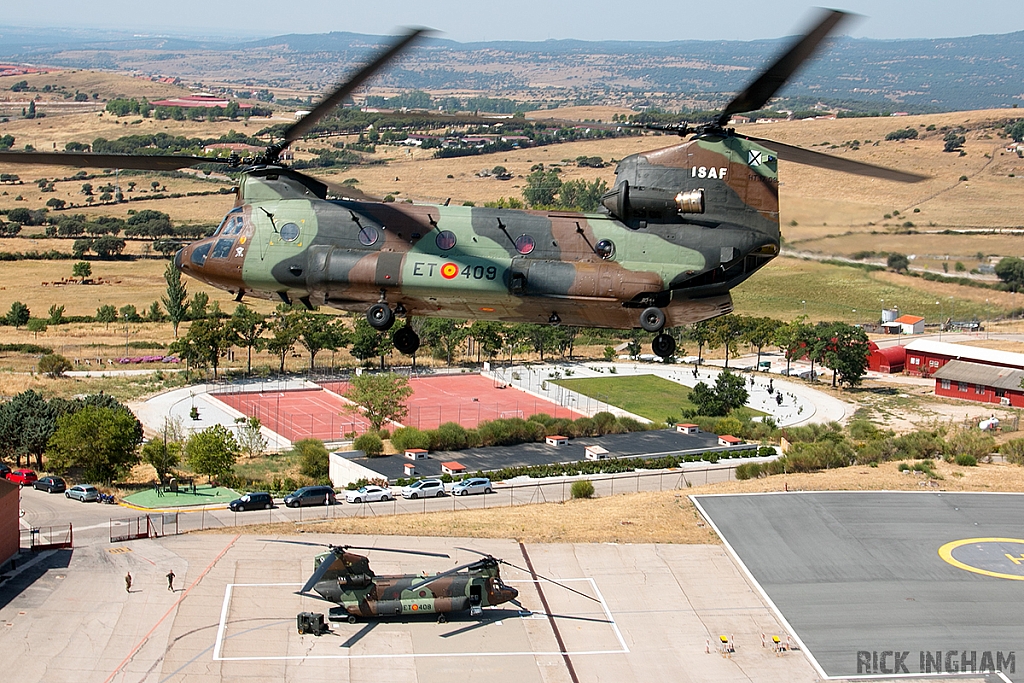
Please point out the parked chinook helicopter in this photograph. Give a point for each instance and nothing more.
(681, 226)
(345, 578)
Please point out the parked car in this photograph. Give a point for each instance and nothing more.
(50, 485)
(257, 500)
(23, 477)
(424, 488)
(471, 485)
(368, 494)
(83, 492)
(311, 495)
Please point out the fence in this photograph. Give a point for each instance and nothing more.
(145, 526)
(510, 494)
(50, 537)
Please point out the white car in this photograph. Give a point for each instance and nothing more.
(368, 494)
(424, 488)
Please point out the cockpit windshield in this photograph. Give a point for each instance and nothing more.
(232, 223)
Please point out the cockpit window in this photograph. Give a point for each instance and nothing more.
(199, 254)
(233, 226)
(223, 248)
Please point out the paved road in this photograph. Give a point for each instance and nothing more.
(92, 520)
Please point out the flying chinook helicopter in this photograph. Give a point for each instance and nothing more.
(345, 578)
(681, 226)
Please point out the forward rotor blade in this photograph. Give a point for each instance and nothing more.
(776, 75)
(432, 579)
(394, 550)
(319, 573)
(560, 585)
(799, 155)
(349, 192)
(306, 123)
(162, 162)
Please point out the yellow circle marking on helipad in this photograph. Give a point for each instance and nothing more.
(1011, 559)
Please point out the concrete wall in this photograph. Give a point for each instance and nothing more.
(343, 471)
(10, 538)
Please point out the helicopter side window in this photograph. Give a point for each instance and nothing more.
(199, 254)
(525, 244)
(368, 235)
(222, 249)
(445, 240)
(289, 232)
(233, 227)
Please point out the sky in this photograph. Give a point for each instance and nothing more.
(530, 20)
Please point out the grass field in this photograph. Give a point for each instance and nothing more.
(647, 395)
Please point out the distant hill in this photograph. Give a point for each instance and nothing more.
(974, 72)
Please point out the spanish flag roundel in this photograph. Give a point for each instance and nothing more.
(449, 270)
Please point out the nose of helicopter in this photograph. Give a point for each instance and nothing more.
(177, 259)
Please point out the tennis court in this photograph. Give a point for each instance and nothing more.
(299, 413)
(467, 399)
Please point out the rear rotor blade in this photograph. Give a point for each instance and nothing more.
(306, 123)
(799, 155)
(776, 75)
(161, 162)
(394, 550)
(432, 579)
(560, 585)
(319, 573)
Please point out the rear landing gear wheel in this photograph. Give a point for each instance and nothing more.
(351, 619)
(406, 340)
(663, 345)
(652, 319)
(380, 317)
(442, 619)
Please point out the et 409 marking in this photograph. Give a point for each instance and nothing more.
(450, 270)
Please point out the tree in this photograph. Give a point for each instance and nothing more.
(54, 365)
(1011, 271)
(726, 331)
(130, 314)
(162, 456)
(444, 336)
(541, 188)
(488, 337)
(898, 262)
(367, 342)
(204, 344)
(953, 142)
(35, 326)
(18, 315)
(176, 297)
(313, 458)
(106, 314)
(845, 352)
(154, 313)
(212, 451)
(103, 441)
(81, 270)
(56, 315)
(728, 394)
(382, 397)
(1015, 130)
(27, 422)
(759, 333)
(250, 437)
(284, 334)
(246, 328)
(701, 333)
(56, 204)
(318, 332)
(198, 307)
(108, 246)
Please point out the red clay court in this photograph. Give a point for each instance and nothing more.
(319, 413)
(298, 413)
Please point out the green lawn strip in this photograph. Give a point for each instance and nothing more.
(649, 396)
(205, 495)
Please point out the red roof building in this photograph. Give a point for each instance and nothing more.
(890, 359)
(981, 383)
(925, 356)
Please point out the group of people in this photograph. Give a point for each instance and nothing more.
(128, 581)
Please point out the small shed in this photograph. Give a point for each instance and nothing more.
(453, 467)
(888, 359)
(416, 453)
(556, 440)
(687, 428)
(410, 469)
(596, 452)
(729, 440)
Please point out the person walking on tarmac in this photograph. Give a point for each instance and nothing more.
(128, 582)
(170, 580)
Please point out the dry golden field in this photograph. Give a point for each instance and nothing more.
(661, 517)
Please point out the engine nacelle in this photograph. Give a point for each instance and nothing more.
(626, 203)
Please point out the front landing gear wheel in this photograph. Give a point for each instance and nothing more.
(406, 340)
(663, 345)
(380, 317)
(652, 319)
(351, 619)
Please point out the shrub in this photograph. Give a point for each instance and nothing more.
(450, 436)
(1013, 451)
(582, 489)
(965, 460)
(313, 457)
(629, 424)
(748, 470)
(405, 438)
(972, 442)
(370, 444)
(54, 365)
(603, 422)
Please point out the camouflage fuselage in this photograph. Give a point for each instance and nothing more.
(285, 240)
(352, 585)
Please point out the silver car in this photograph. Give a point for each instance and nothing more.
(424, 488)
(471, 485)
(83, 492)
